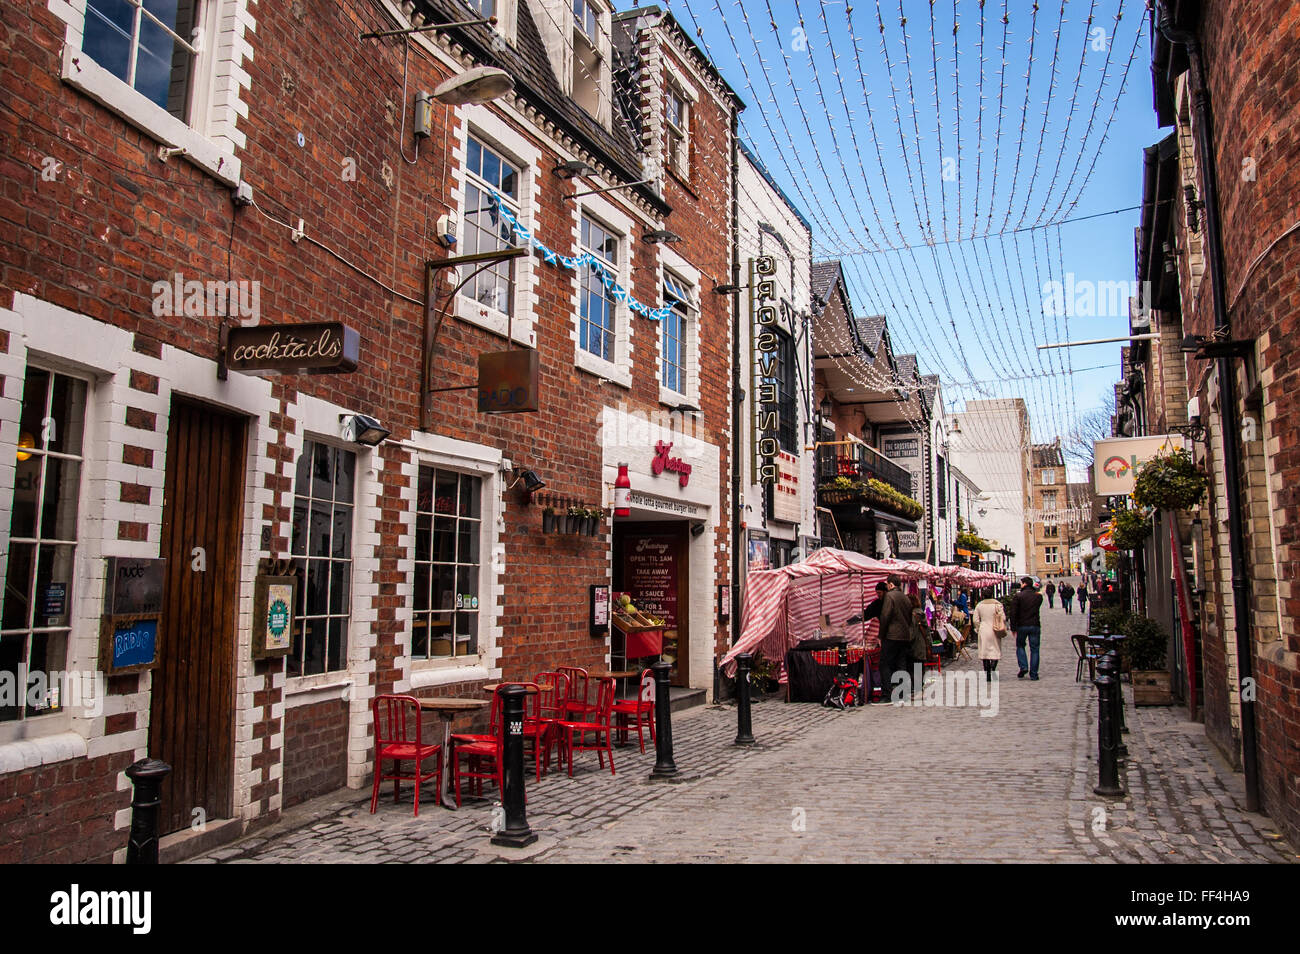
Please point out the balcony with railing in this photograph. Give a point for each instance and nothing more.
(859, 462)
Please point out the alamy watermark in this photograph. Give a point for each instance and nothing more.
(57, 689)
(208, 299)
(1083, 298)
(950, 690)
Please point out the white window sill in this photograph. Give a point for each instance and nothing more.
(16, 756)
(586, 361)
(675, 398)
(497, 322)
(309, 690)
(439, 672)
(84, 74)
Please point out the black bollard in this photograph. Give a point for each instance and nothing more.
(744, 718)
(664, 766)
(516, 834)
(1109, 666)
(147, 776)
(1117, 641)
(1107, 763)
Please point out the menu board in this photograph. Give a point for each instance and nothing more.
(650, 567)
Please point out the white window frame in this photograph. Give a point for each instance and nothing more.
(355, 579)
(675, 80)
(686, 274)
(210, 138)
(56, 720)
(476, 461)
(485, 568)
(602, 46)
(477, 121)
(1049, 476)
(620, 369)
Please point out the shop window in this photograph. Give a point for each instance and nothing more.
(786, 391)
(448, 530)
(485, 230)
(676, 332)
(42, 543)
(597, 307)
(323, 505)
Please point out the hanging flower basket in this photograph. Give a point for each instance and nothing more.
(1170, 482)
(1129, 528)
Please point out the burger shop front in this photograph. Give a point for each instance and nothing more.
(663, 558)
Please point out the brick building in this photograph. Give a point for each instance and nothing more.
(420, 562)
(1218, 241)
(1048, 510)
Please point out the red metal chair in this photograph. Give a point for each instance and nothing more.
(541, 710)
(494, 727)
(477, 750)
(576, 704)
(597, 725)
(393, 716)
(641, 708)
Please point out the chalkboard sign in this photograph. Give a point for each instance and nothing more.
(128, 643)
(133, 585)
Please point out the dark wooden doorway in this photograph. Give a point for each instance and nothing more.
(191, 720)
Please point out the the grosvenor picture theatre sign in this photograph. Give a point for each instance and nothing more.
(318, 347)
(768, 308)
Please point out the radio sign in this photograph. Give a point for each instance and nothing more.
(507, 382)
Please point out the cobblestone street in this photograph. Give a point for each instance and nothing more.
(884, 783)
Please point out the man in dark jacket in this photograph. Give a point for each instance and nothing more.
(895, 639)
(1050, 589)
(1025, 622)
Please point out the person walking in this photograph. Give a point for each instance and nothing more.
(1025, 607)
(1083, 597)
(871, 680)
(895, 639)
(990, 621)
(1050, 590)
(1067, 597)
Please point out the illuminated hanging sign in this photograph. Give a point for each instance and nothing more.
(319, 347)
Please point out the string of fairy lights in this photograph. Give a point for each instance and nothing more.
(1016, 212)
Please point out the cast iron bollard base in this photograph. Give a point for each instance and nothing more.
(744, 718)
(1108, 665)
(516, 834)
(147, 776)
(1107, 763)
(664, 765)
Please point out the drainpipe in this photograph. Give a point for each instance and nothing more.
(1227, 395)
(737, 504)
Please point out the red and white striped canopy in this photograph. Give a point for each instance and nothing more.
(783, 606)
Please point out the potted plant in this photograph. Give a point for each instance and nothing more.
(1145, 647)
(576, 516)
(1170, 482)
(548, 520)
(762, 675)
(596, 515)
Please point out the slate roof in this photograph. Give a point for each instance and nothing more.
(1047, 455)
(823, 279)
(906, 365)
(535, 81)
(929, 388)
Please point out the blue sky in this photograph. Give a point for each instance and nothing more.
(952, 220)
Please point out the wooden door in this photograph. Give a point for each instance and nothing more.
(191, 722)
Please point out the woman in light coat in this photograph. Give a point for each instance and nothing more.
(990, 621)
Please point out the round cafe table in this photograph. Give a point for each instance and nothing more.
(447, 709)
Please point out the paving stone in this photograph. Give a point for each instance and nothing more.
(885, 783)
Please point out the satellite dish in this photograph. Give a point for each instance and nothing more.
(478, 85)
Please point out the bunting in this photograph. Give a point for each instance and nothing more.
(551, 257)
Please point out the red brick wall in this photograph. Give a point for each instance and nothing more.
(315, 750)
(1251, 53)
(63, 813)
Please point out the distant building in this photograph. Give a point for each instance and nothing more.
(1048, 512)
(990, 442)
